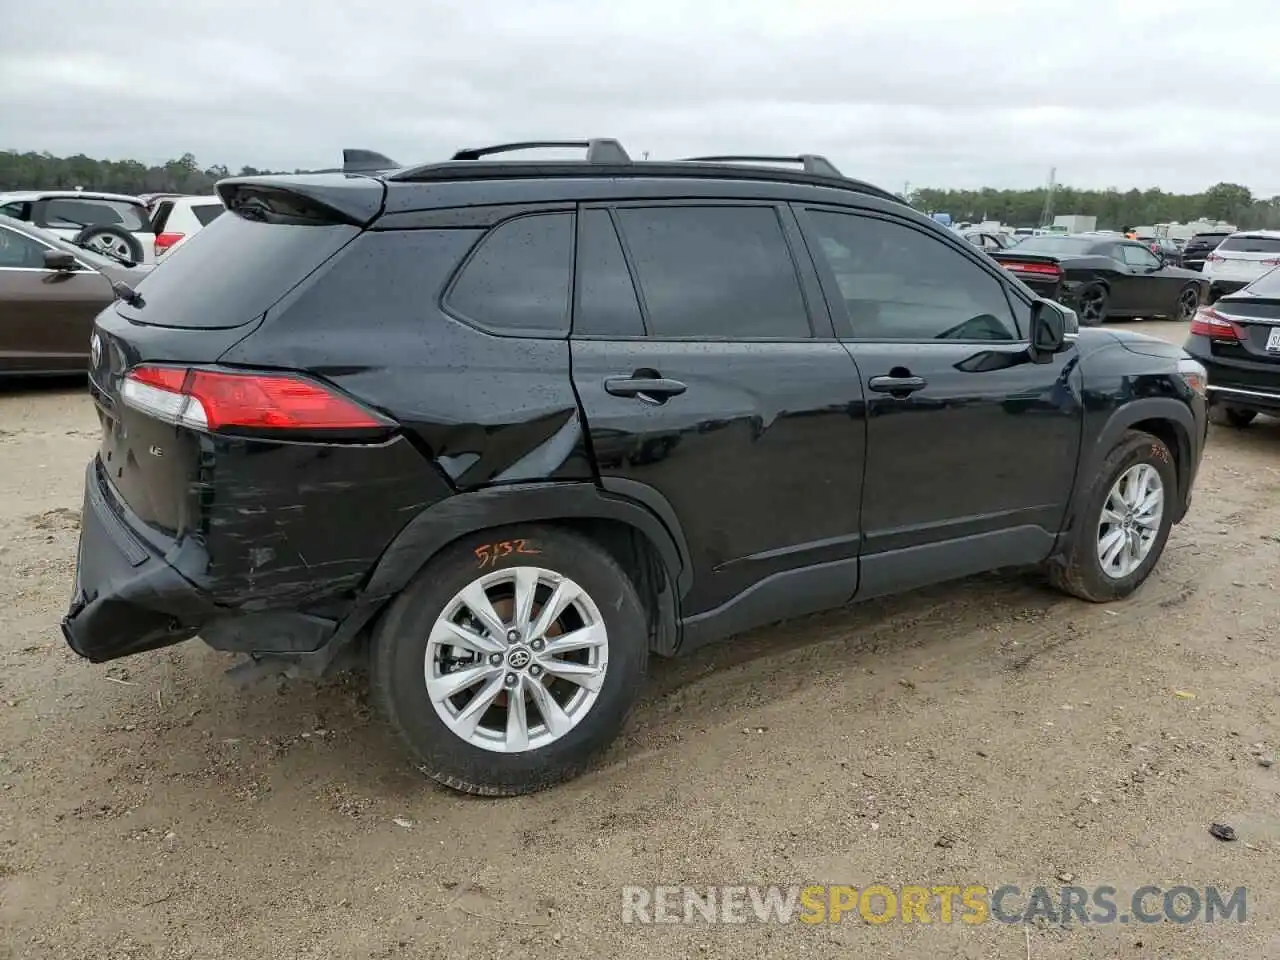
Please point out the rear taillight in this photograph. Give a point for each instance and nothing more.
(166, 240)
(1034, 269)
(1209, 322)
(1273, 262)
(213, 400)
(1215, 258)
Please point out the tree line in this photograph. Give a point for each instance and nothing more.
(1113, 208)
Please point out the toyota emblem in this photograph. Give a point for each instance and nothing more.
(519, 658)
(95, 349)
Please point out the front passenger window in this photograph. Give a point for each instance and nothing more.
(900, 283)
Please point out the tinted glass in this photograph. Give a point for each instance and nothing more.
(208, 212)
(1136, 256)
(17, 250)
(160, 214)
(518, 279)
(1250, 244)
(1055, 246)
(899, 283)
(1267, 285)
(607, 305)
(70, 213)
(230, 272)
(715, 272)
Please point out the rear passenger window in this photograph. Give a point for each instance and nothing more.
(607, 305)
(721, 273)
(518, 279)
(899, 283)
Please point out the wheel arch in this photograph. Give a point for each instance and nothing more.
(631, 520)
(1165, 418)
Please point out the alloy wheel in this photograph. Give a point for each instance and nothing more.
(1130, 521)
(110, 245)
(1093, 306)
(516, 659)
(1188, 304)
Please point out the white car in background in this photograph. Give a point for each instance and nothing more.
(1240, 259)
(176, 219)
(108, 223)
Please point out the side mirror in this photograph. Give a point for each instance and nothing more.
(59, 260)
(1052, 326)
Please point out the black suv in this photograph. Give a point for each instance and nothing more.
(1200, 246)
(514, 426)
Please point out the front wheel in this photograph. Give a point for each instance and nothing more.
(1120, 533)
(1092, 303)
(512, 660)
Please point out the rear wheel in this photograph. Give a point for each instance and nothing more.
(1121, 531)
(1188, 304)
(1092, 303)
(512, 660)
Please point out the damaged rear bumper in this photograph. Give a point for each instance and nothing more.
(129, 593)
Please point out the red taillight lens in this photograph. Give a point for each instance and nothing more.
(218, 400)
(1215, 258)
(1273, 262)
(166, 240)
(1033, 269)
(1209, 322)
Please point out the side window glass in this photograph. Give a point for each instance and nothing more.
(899, 283)
(721, 273)
(1136, 256)
(17, 250)
(607, 305)
(517, 280)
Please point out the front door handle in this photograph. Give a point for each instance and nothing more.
(648, 389)
(897, 386)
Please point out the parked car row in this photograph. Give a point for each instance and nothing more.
(47, 301)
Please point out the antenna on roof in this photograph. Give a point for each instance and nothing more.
(366, 161)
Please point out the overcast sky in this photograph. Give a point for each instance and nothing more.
(966, 93)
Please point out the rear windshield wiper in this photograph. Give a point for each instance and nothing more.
(129, 295)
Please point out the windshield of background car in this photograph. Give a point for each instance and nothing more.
(73, 212)
(1055, 246)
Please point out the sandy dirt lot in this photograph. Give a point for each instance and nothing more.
(990, 732)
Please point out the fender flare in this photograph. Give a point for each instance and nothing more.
(637, 505)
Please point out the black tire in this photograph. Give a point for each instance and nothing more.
(1091, 305)
(1232, 416)
(1188, 304)
(399, 648)
(1080, 572)
(118, 235)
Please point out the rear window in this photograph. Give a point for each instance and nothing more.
(1267, 285)
(206, 213)
(1054, 246)
(1251, 244)
(74, 212)
(232, 271)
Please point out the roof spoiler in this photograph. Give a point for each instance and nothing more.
(355, 160)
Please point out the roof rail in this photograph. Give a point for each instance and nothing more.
(599, 150)
(366, 161)
(809, 162)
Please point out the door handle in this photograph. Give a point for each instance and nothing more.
(648, 389)
(897, 386)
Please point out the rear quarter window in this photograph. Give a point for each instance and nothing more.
(206, 213)
(518, 279)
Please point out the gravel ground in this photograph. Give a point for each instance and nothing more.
(989, 732)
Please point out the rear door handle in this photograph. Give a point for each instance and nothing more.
(648, 389)
(898, 386)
